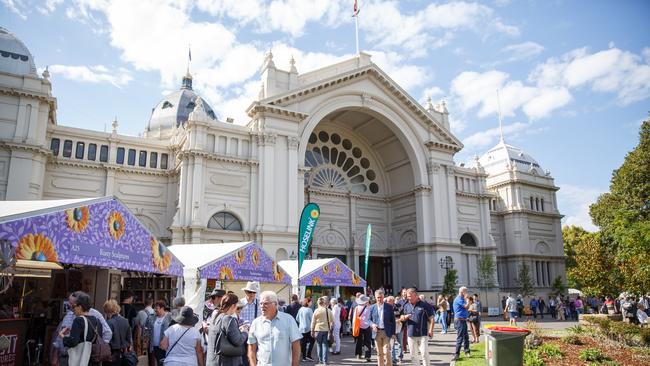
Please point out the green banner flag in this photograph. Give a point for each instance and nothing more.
(308, 220)
(368, 236)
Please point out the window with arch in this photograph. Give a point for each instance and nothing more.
(338, 164)
(224, 221)
(468, 240)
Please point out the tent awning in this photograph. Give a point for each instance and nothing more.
(323, 272)
(242, 261)
(98, 232)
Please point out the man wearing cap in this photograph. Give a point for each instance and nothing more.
(362, 314)
(251, 309)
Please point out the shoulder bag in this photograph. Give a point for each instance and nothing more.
(101, 351)
(356, 326)
(172, 347)
(223, 346)
(330, 336)
(79, 355)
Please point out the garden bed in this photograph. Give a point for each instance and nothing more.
(612, 354)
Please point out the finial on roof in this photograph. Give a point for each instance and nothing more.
(500, 121)
(292, 62)
(429, 105)
(443, 107)
(46, 73)
(114, 124)
(268, 61)
(187, 81)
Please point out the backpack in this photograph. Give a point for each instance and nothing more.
(344, 314)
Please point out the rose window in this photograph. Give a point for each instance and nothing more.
(338, 165)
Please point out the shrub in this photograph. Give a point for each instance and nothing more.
(533, 357)
(626, 333)
(576, 329)
(534, 339)
(550, 350)
(572, 339)
(592, 354)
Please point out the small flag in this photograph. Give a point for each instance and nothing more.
(190, 53)
(356, 9)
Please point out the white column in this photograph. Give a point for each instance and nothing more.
(452, 209)
(294, 206)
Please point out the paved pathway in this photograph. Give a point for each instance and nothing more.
(441, 347)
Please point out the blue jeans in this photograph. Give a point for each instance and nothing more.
(393, 351)
(462, 336)
(442, 319)
(321, 346)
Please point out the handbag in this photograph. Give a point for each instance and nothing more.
(129, 358)
(79, 355)
(330, 336)
(101, 351)
(223, 346)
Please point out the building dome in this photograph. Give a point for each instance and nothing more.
(15, 58)
(503, 156)
(174, 110)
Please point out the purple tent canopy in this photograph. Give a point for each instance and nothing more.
(324, 272)
(98, 232)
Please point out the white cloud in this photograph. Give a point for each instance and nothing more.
(574, 201)
(432, 92)
(487, 138)
(16, 6)
(549, 86)
(408, 76)
(93, 74)
(386, 26)
(521, 51)
(49, 6)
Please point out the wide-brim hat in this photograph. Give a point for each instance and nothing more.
(186, 316)
(218, 293)
(362, 300)
(252, 286)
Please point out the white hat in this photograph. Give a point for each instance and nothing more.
(362, 300)
(252, 286)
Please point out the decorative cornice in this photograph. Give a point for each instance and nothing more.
(436, 145)
(342, 194)
(258, 109)
(523, 181)
(392, 87)
(112, 167)
(526, 211)
(214, 156)
(31, 94)
(421, 188)
(475, 195)
(8, 145)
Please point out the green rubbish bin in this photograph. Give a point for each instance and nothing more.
(505, 345)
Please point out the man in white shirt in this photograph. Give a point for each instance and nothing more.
(382, 319)
(336, 328)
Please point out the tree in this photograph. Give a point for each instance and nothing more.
(485, 271)
(572, 236)
(623, 216)
(558, 286)
(524, 281)
(449, 287)
(594, 271)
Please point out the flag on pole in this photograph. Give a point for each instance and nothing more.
(189, 48)
(356, 9)
(368, 235)
(308, 220)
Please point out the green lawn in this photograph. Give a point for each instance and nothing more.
(477, 357)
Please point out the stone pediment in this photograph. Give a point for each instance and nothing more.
(439, 136)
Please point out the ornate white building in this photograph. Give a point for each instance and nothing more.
(345, 136)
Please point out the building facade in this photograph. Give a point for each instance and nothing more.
(345, 136)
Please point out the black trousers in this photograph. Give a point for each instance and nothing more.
(306, 344)
(364, 340)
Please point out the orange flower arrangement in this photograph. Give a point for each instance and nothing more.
(36, 247)
(162, 258)
(225, 273)
(77, 218)
(278, 275)
(240, 256)
(255, 257)
(316, 281)
(115, 225)
(355, 279)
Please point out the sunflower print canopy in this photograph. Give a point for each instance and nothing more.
(77, 218)
(37, 248)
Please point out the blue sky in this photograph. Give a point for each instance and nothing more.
(574, 76)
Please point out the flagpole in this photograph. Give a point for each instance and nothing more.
(356, 29)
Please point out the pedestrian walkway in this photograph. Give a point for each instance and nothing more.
(441, 347)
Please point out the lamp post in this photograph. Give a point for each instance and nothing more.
(446, 263)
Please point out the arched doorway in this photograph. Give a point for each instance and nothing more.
(360, 173)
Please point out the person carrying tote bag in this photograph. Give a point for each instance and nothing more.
(78, 338)
(225, 338)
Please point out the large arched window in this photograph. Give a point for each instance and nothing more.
(468, 239)
(224, 221)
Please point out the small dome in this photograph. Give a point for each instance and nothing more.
(15, 58)
(174, 110)
(498, 158)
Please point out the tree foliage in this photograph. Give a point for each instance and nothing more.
(524, 281)
(449, 286)
(558, 286)
(485, 271)
(623, 216)
(572, 237)
(594, 271)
